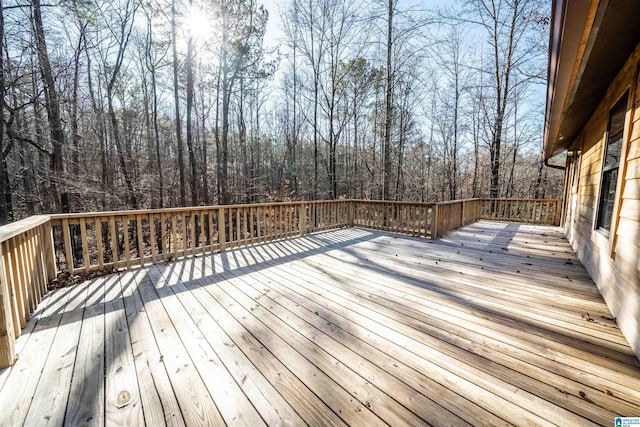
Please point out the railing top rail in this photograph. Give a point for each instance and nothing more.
(15, 228)
(185, 209)
(450, 202)
(390, 201)
(516, 199)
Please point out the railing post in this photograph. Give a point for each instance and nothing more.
(351, 209)
(7, 335)
(221, 229)
(462, 214)
(68, 256)
(434, 221)
(48, 251)
(302, 213)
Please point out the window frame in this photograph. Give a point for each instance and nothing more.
(609, 234)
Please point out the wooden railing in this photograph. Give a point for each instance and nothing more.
(454, 214)
(26, 266)
(532, 211)
(399, 217)
(34, 251)
(120, 240)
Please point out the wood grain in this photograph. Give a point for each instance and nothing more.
(495, 324)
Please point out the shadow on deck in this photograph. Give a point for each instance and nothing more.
(495, 323)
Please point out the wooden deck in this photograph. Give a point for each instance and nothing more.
(494, 324)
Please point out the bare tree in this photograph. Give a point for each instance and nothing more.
(388, 115)
(113, 59)
(4, 211)
(190, 95)
(176, 100)
(52, 103)
(154, 56)
(507, 24)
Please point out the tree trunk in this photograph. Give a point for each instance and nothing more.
(151, 67)
(217, 136)
(242, 139)
(476, 153)
(502, 93)
(104, 172)
(205, 180)
(52, 104)
(156, 137)
(75, 137)
(454, 154)
(4, 213)
(176, 100)
(118, 142)
(357, 188)
(224, 149)
(192, 156)
(316, 89)
(538, 190)
(123, 39)
(388, 105)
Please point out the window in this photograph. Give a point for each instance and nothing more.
(611, 163)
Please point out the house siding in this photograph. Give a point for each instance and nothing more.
(615, 267)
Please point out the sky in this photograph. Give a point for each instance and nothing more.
(274, 34)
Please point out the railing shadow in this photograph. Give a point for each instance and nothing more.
(125, 291)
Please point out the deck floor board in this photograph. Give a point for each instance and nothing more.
(493, 324)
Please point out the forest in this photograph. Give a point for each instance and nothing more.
(131, 104)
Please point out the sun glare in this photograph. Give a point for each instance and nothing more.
(198, 24)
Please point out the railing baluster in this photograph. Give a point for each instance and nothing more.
(172, 247)
(24, 277)
(251, 225)
(40, 259)
(202, 236)
(28, 271)
(85, 246)
(181, 235)
(152, 236)
(98, 225)
(15, 281)
(259, 219)
(127, 249)
(33, 266)
(245, 228)
(221, 228)
(114, 242)
(273, 223)
(164, 236)
(9, 329)
(211, 222)
(193, 232)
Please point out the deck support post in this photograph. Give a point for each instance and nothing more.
(7, 336)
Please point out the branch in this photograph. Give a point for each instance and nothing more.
(21, 6)
(14, 137)
(7, 149)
